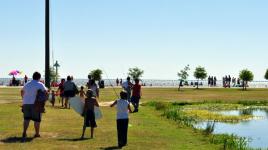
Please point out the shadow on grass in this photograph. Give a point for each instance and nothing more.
(110, 148)
(16, 140)
(75, 139)
(56, 107)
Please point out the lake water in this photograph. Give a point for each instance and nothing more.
(153, 82)
(256, 129)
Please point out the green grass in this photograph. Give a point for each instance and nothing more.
(61, 128)
(194, 95)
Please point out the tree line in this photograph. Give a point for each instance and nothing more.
(200, 73)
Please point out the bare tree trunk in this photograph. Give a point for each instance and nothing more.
(180, 85)
(244, 86)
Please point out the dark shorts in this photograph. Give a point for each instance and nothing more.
(62, 94)
(135, 99)
(29, 113)
(89, 119)
(69, 93)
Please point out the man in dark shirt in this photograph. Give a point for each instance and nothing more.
(136, 95)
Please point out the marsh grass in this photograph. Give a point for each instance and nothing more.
(231, 142)
(209, 115)
(190, 114)
(209, 128)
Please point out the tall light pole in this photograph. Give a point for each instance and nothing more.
(47, 69)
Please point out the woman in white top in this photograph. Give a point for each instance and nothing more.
(123, 109)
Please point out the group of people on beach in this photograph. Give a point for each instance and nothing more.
(34, 95)
(118, 82)
(227, 81)
(212, 81)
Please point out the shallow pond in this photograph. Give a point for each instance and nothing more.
(256, 129)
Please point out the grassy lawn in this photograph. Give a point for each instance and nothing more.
(194, 95)
(61, 128)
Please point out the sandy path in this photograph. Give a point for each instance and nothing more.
(105, 103)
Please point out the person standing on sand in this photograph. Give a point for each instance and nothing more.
(120, 82)
(209, 79)
(117, 81)
(229, 81)
(25, 79)
(215, 81)
(29, 94)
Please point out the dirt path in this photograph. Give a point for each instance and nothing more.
(106, 103)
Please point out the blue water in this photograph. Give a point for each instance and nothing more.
(154, 82)
(256, 130)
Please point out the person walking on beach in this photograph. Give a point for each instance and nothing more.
(29, 95)
(229, 81)
(223, 82)
(209, 80)
(88, 113)
(215, 81)
(117, 81)
(123, 108)
(120, 82)
(136, 95)
(127, 86)
(70, 90)
(25, 79)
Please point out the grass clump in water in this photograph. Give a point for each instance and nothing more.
(231, 142)
(214, 116)
(178, 115)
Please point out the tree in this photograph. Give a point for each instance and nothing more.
(135, 73)
(52, 74)
(266, 75)
(183, 75)
(246, 76)
(200, 73)
(96, 74)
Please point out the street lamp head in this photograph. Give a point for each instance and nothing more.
(56, 64)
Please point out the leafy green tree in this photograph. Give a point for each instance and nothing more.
(266, 75)
(53, 75)
(246, 77)
(96, 74)
(183, 75)
(200, 73)
(135, 73)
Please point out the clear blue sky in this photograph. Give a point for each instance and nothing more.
(159, 36)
